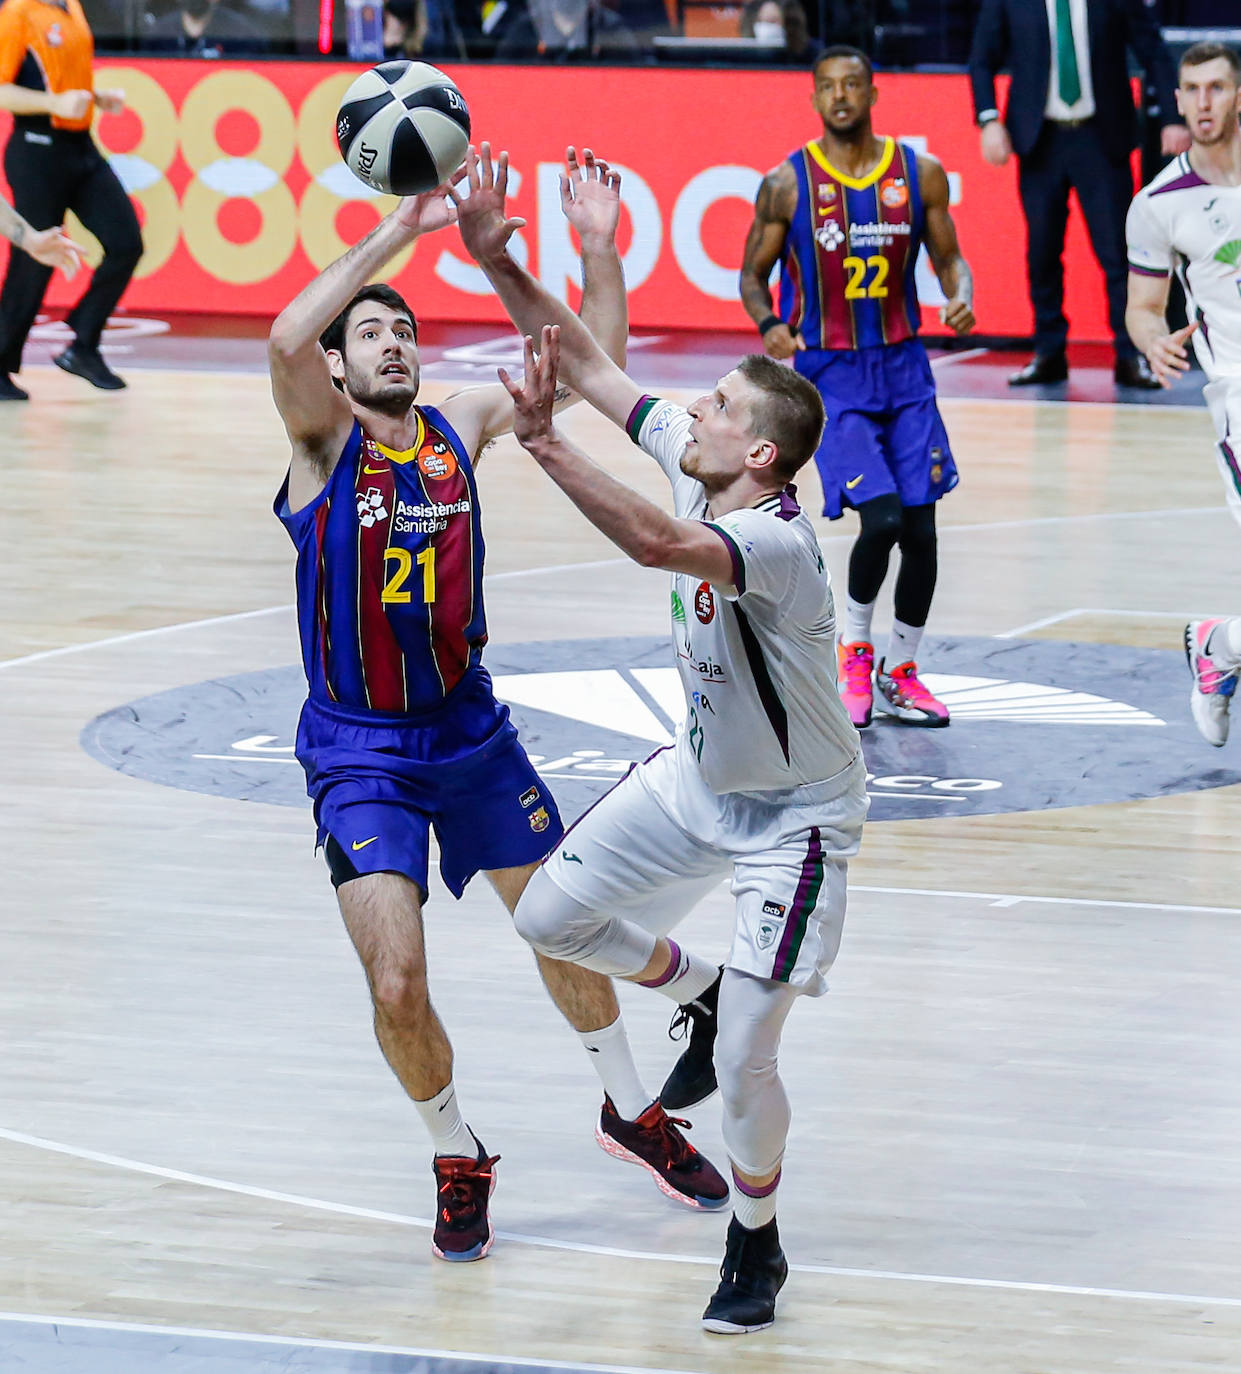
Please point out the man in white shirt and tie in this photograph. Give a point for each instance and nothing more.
(1072, 123)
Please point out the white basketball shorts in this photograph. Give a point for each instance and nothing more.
(661, 839)
(1223, 398)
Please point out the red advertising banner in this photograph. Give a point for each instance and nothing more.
(243, 195)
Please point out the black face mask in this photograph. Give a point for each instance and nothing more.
(197, 9)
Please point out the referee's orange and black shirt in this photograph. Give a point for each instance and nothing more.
(47, 47)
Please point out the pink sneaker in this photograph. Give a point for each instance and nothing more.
(856, 663)
(902, 695)
(1211, 694)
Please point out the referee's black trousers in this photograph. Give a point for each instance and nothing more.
(51, 171)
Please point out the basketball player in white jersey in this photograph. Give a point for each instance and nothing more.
(765, 783)
(1189, 220)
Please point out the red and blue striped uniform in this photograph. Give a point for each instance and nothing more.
(847, 271)
(389, 572)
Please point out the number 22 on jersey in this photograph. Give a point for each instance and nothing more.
(394, 591)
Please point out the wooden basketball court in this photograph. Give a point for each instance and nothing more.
(1015, 1117)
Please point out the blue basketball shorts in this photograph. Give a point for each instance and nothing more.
(381, 783)
(884, 433)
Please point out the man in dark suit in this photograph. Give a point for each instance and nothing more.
(1071, 121)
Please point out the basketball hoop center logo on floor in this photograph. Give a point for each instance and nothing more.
(1036, 724)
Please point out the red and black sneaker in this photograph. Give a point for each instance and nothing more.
(463, 1229)
(655, 1142)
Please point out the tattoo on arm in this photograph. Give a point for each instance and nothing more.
(561, 394)
(773, 213)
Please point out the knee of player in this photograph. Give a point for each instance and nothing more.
(881, 519)
(740, 1066)
(400, 992)
(918, 528)
(547, 919)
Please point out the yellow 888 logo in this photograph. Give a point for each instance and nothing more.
(237, 214)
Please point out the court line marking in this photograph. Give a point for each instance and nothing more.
(309, 1343)
(1095, 610)
(580, 1247)
(947, 359)
(518, 573)
(1007, 899)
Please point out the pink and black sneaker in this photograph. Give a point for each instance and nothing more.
(902, 695)
(1211, 694)
(655, 1141)
(463, 1229)
(856, 664)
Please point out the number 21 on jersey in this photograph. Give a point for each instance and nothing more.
(394, 592)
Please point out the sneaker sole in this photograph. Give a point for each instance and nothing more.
(723, 1328)
(909, 716)
(618, 1151)
(687, 1106)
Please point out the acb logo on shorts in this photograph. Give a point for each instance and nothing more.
(704, 603)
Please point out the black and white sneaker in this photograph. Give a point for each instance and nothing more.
(692, 1079)
(753, 1272)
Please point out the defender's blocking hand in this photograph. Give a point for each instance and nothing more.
(534, 400)
(590, 198)
(485, 229)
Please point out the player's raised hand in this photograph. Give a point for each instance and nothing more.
(1168, 355)
(590, 198)
(54, 248)
(485, 228)
(781, 342)
(431, 210)
(534, 399)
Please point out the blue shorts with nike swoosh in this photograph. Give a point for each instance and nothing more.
(380, 783)
(884, 433)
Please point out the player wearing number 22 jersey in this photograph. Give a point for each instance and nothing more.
(846, 216)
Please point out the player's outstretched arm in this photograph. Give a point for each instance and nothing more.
(486, 230)
(649, 535)
(316, 415)
(590, 198)
(955, 278)
(774, 207)
(1146, 321)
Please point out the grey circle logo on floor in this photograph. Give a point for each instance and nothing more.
(1036, 724)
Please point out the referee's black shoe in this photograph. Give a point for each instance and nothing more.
(692, 1079)
(10, 391)
(87, 363)
(753, 1272)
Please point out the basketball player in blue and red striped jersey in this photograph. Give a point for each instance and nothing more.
(401, 731)
(845, 217)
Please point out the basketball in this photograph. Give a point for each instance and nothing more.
(403, 127)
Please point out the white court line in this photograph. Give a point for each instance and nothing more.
(517, 573)
(1095, 610)
(947, 359)
(578, 1247)
(1006, 899)
(302, 1343)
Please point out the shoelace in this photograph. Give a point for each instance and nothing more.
(678, 1150)
(907, 676)
(680, 1026)
(460, 1188)
(857, 671)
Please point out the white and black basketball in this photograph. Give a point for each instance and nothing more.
(403, 127)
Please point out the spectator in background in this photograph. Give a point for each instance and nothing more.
(422, 28)
(779, 25)
(1071, 121)
(207, 29)
(564, 30)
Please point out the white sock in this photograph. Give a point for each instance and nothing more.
(903, 643)
(687, 976)
(1224, 646)
(612, 1059)
(751, 1207)
(856, 624)
(449, 1134)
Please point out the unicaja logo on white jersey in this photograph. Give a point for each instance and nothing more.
(371, 507)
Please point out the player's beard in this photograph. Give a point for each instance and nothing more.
(853, 132)
(384, 396)
(691, 465)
